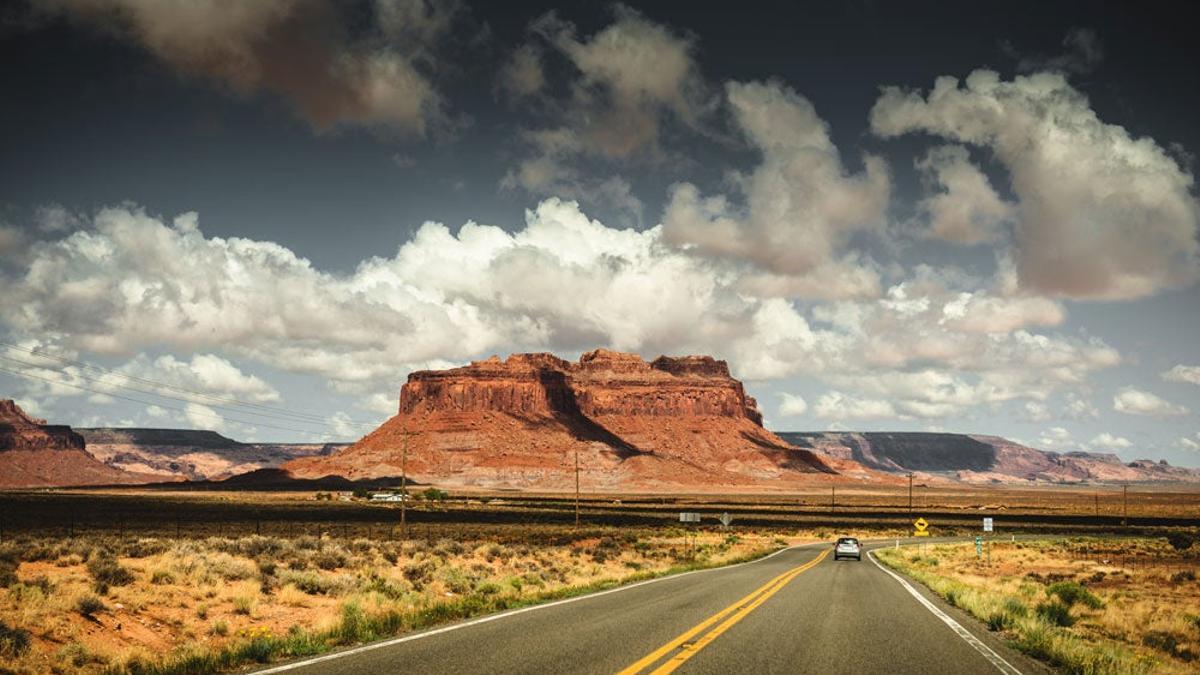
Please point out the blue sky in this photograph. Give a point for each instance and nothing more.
(261, 217)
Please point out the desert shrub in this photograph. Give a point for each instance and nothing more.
(487, 588)
(266, 568)
(88, 605)
(307, 543)
(455, 579)
(243, 605)
(1185, 575)
(330, 558)
(315, 583)
(1006, 615)
(1071, 593)
(420, 571)
(160, 577)
(230, 568)
(1055, 613)
(1165, 642)
(14, 642)
(106, 571)
(1181, 541)
(449, 547)
(80, 656)
(220, 628)
(435, 495)
(390, 588)
(143, 548)
(8, 569)
(354, 626)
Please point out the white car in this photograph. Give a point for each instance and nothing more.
(847, 547)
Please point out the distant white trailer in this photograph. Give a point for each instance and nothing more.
(388, 497)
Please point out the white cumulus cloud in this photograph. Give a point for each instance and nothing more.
(792, 405)
(1137, 402)
(1100, 214)
(1108, 441)
(1182, 373)
(798, 208)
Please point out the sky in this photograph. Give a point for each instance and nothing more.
(259, 218)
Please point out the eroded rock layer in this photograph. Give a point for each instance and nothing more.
(35, 454)
(673, 423)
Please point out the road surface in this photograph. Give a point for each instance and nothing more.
(797, 611)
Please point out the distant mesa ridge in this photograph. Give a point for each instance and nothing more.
(981, 459)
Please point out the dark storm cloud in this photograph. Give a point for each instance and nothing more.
(303, 50)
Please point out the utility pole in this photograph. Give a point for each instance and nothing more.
(832, 498)
(1097, 496)
(576, 485)
(404, 484)
(910, 491)
(1125, 504)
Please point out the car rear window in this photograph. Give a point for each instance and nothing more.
(847, 540)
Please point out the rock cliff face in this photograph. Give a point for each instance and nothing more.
(35, 454)
(602, 383)
(672, 423)
(19, 431)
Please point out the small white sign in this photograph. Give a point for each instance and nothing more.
(726, 519)
(987, 524)
(686, 517)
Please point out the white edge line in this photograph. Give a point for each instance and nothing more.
(504, 615)
(988, 653)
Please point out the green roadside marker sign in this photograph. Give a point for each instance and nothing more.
(978, 546)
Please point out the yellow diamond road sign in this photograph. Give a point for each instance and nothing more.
(921, 526)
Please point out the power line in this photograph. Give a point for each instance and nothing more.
(218, 401)
(214, 415)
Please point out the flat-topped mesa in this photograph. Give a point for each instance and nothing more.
(602, 383)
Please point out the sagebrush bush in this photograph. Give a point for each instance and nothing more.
(1071, 593)
(14, 642)
(8, 569)
(1055, 613)
(106, 571)
(88, 605)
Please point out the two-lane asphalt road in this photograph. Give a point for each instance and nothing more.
(797, 611)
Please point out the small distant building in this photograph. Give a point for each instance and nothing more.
(389, 497)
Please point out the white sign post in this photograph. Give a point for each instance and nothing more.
(987, 527)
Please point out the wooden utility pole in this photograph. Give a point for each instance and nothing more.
(404, 484)
(832, 498)
(576, 485)
(1125, 504)
(910, 491)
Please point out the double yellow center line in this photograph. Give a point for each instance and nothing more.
(687, 645)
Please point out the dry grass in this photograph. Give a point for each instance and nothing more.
(1083, 605)
(216, 603)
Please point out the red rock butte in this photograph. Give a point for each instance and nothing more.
(35, 454)
(672, 423)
